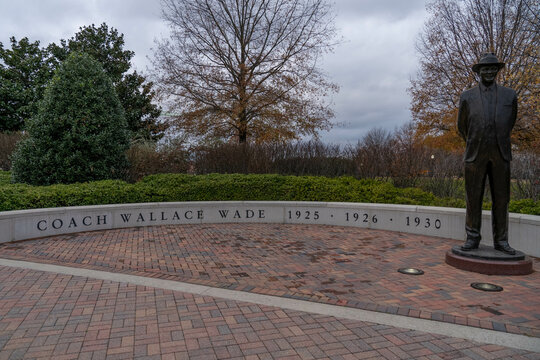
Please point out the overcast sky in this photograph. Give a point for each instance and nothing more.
(372, 66)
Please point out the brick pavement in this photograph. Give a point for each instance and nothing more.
(330, 264)
(48, 315)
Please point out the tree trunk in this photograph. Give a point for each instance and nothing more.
(242, 137)
(242, 127)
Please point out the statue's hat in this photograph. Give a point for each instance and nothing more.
(487, 59)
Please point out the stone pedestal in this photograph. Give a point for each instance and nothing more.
(487, 260)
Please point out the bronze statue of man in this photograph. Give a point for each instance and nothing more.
(487, 114)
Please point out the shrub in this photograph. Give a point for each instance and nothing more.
(80, 132)
(525, 206)
(8, 142)
(216, 187)
(23, 196)
(147, 158)
(526, 172)
(5, 177)
(299, 158)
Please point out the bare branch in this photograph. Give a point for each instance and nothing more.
(453, 39)
(242, 67)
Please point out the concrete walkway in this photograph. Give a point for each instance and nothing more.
(99, 306)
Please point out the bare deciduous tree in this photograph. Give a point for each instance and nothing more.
(246, 69)
(453, 39)
(374, 154)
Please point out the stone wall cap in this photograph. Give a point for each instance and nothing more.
(529, 219)
(513, 217)
(441, 210)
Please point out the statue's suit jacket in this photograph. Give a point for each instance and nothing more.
(471, 120)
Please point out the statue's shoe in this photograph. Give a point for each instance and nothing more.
(470, 244)
(504, 247)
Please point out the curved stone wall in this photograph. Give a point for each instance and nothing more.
(431, 221)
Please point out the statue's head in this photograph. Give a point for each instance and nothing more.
(488, 67)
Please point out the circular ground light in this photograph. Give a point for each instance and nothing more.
(486, 287)
(410, 271)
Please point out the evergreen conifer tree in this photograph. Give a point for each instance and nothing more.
(79, 133)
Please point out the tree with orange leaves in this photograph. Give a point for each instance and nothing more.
(246, 70)
(453, 39)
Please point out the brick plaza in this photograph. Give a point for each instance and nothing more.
(44, 315)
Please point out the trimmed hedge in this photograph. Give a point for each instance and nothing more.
(219, 187)
(5, 177)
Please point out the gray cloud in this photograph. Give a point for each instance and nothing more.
(387, 9)
(52, 20)
(372, 66)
